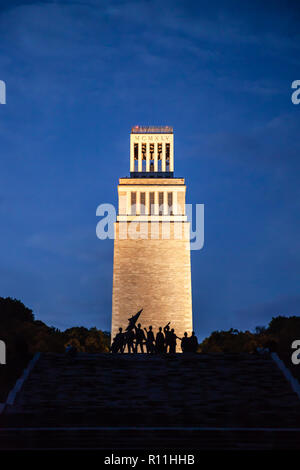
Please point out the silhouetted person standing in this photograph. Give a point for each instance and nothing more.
(167, 337)
(150, 340)
(160, 341)
(139, 338)
(193, 343)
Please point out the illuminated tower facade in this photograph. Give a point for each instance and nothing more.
(152, 268)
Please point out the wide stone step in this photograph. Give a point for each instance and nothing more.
(159, 439)
(199, 391)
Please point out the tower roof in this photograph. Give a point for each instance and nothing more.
(152, 130)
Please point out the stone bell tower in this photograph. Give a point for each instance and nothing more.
(152, 268)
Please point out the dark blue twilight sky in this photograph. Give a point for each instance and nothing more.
(79, 74)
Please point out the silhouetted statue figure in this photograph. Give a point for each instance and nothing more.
(129, 341)
(172, 341)
(132, 320)
(119, 341)
(139, 338)
(184, 343)
(150, 340)
(193, 343)
(129, 336)
(167, 337)
(160, 341)
(112, 347)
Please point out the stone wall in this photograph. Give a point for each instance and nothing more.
(153, 274)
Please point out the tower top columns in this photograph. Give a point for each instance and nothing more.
(151, 152)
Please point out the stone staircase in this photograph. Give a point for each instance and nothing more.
(207, 401)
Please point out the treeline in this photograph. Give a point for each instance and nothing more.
(24, 336)
(22, 333)
(277, 336)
